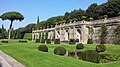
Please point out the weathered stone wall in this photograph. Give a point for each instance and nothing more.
(80, 30)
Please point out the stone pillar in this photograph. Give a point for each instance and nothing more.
(78, 34)
(66, 35)
(33, 36)
(62, 34)
(52, 34)
(40, 36)
(49, 35)
(74, 32)
(71, 33)
(84, 34)
(57, 34)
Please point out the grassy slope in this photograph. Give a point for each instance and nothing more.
(31, 57)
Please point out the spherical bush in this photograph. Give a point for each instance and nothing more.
(71, 53)
(79, 54)
(100, 48)
(43, 48)
(79, 46)
(60, 51)
(91, 56)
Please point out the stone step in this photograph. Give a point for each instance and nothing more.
(7, 61)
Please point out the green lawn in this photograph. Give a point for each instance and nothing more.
(27, 54)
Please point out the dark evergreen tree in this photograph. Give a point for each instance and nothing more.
(117, 35)
(38, 23)
(103, 34)
(3, 32)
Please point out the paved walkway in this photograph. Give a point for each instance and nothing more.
(7, 61)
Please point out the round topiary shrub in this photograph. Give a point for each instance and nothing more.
(91, 56)
(43, 48)
(79, 46)
(79, 54)
(100, 48)
(60, 51)
(71, 53)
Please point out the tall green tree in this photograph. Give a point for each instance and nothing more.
(117, 35)
(3, 32)
(38, 21)
(91, 11)
(11, 16)
(103, 34)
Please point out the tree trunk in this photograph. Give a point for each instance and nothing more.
(10, 29)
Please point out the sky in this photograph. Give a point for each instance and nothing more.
(45, 9)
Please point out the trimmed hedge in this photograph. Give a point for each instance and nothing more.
(42, 40)
(57, 41)
(91, 56)
(28, 36)
(71, 53)
(60, 51)
(37, 41)
(48, 41)
(79, 46)
(90, 41)
(100, 48)
(4, 41)
(72, 41)
(43, 48)
(79, 54)
(22, 41)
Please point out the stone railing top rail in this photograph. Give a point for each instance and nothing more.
(73, 24)
(100, 21)
(108, 20)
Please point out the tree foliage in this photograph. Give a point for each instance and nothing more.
(103, 34)
(117, 35)
(11, 16)
(93, 12)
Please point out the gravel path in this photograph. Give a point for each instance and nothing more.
(7, 61)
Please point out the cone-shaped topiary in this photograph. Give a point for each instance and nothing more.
(43, 48)
(79, 46)
(60, 51)
(91, 56)
(100, 48)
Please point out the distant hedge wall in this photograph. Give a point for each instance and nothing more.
(28, 36)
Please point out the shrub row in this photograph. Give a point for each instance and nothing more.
(37, 41)
(4, 41)
(72, 41)
(48, 41)
(57, 41)
(22, 41)
(88, 55)
(57, 50)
